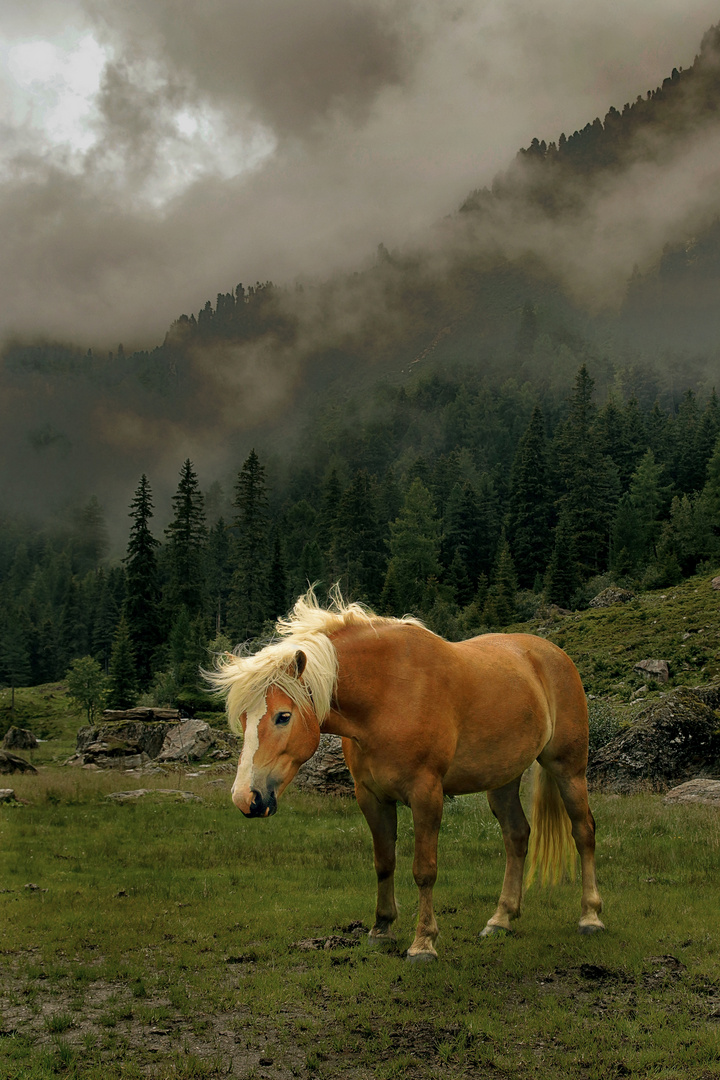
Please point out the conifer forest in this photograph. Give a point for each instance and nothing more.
(453, 433)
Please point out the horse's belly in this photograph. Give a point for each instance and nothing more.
(487, 767)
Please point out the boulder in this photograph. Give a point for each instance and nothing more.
(672, 740)
(326, 771)
(187, 741)
(10, 763)
(17, 738)
(715, 584)
(611, 596)
(653, 669)
(699, 790)
(7, 795)
(132, 744)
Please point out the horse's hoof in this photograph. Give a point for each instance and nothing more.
(493, 931)
(376, 941)
(590, 928)
(420, 957)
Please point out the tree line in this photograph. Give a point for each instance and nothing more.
(471, 506)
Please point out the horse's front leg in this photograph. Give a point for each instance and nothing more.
(382, 818)
(427, 809)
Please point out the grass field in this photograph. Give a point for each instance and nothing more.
(169, 939)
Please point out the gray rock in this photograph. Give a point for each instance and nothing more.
(653, 669)
(672, 740)
(17, 738)
(11, 763)
(187, 741)
(715, 584)
(611, 596)
(699, 790)
(326, 771)
(7, 795)
(138, 793)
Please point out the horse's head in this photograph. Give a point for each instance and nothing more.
(278, 737)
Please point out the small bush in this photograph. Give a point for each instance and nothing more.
(604, 725)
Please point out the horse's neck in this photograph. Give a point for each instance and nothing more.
(373, 662)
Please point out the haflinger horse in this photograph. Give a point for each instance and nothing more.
(421, 718)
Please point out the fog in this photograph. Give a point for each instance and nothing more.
(230, 141)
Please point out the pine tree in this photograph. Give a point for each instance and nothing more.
(414, 551)
(500, 603)
(530, 506)
(218, 573)
(187, 537)
(122, 675)
(358, 553)
(562, 578)
(278, 580)
(591, 485)
(248, 606)
(141, 609)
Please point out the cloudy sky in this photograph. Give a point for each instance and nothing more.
(156, 152)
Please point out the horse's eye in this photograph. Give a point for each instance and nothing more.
(282, 718)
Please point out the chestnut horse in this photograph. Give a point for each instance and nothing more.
(421, 718)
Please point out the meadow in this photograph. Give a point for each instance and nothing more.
(172, 939)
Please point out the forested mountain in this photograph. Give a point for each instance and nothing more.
(452, 431)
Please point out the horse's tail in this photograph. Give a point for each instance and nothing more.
(552, 849)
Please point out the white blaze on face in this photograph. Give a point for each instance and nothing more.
(244, 776)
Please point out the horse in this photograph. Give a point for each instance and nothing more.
(421, 718)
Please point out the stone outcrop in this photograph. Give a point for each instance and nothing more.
(17, 738)
(326, 771)
(653, 669)
(672, 740)
(7, 795)
(132, 743)
(611, 596)
(187, 741)
(699, 790)
(11, 763)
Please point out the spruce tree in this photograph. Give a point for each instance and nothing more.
(530, 506)
(248, 606)
(358, 553)
(122, 675)
(186, 539)
(141, 609)
(562, 578)
(414, 552)
(500, 603)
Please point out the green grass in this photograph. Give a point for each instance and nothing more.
(162, 942)
(680, 624)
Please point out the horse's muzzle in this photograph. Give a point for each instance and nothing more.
(262, 805)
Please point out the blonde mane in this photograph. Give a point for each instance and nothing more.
(245, 680)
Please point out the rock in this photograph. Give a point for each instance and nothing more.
(654, 669)
(672, 740)
(134, 744)
(17, 738)
(611, 596)
(10, 763)
(326, 771)
(142, 713)
(715, 584)
(699, 790)
(7, 795)
(187, 741)
(138, 793)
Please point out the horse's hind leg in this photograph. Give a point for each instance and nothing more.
(382, 819)
(573, 791)
(507, 808)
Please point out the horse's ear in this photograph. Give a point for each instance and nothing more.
(300, 663)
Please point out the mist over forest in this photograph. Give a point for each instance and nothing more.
(518, 406)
